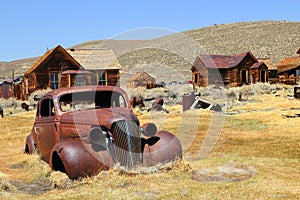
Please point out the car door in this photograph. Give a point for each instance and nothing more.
(45, 127)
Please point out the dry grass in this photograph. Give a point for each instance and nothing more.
(260, 140)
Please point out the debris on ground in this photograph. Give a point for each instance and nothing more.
(157, 105)
(195, 101)
(231, 172)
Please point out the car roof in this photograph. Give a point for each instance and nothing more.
(62, 91)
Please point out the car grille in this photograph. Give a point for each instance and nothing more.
(127, 142)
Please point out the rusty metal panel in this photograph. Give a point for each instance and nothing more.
(188, 100)
(6, 90)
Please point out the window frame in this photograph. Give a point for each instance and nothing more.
(54, 84)
(102, 77)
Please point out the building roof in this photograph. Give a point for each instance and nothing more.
(268, 62)
(93, 59)
(78, 72)
(298, 52)
(47, 57)
(10, 81)
(257, 65)
(140, 75)
(223, 61)
(289, 63)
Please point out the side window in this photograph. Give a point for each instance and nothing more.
(47, 108)
(117, 100)
(80, 80)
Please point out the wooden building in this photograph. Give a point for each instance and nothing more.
(289, 70)
(259, 72)
(55, 69)
(227, 70)
(102, 63)
(272, 69)
(141, 79)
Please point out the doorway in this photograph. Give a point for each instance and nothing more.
(244, 76)
(263, 76)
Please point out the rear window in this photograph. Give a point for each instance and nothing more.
(90, 100)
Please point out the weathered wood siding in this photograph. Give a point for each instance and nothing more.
(199, 74)
(40, 78)
(113, 77)
(65, 80)
(257, 74)
(233, 77)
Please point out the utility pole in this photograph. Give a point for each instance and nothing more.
(13, 83)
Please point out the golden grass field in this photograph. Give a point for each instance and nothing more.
(257, 156)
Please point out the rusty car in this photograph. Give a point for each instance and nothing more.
(83, 130)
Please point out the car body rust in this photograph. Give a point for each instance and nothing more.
(83, 130)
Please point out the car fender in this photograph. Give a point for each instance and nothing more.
(77, 159)
(162, 148)
(29, 145)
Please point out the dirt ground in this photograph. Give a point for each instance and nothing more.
(256, 155)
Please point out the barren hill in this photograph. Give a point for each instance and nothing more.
(170, 57)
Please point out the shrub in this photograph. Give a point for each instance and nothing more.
(232, 93)
(10, 106)
(38, 93)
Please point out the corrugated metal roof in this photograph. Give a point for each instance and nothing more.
(223, 61)
(256, 65)
(93, 59)
(289, 63)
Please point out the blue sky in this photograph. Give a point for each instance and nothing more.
(29, 27)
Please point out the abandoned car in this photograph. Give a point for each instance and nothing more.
(85, 129)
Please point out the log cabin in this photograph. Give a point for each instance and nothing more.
(60, 67)
(227, 70)
(55, 69)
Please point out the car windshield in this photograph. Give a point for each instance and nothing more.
(91, 100)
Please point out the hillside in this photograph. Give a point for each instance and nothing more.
(272, 39)
(19, 67)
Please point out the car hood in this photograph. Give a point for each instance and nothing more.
(101, 116)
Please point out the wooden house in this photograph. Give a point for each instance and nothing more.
(272, 69)
(55, 69)
(102, 63)
(227, 70)
(259, 72)
(141, 79)
(289, 70)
